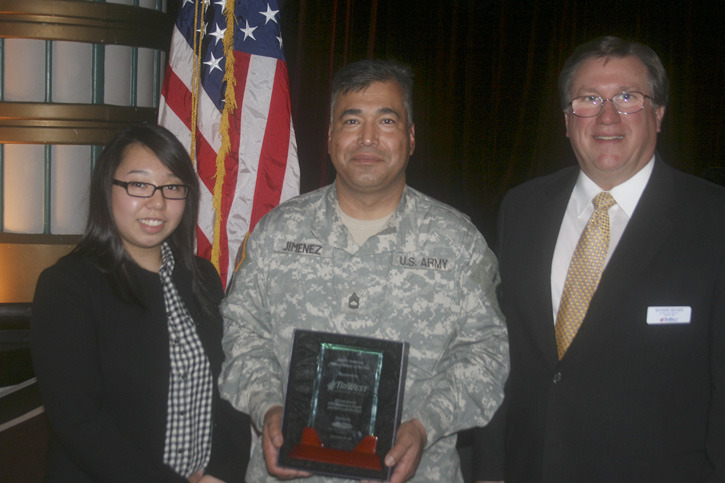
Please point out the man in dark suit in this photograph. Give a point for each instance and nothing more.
(616, 313)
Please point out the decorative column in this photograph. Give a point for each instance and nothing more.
(72, 74)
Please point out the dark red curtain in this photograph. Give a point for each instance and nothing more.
(485, 100)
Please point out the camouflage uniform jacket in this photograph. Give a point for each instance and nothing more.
(427, 278)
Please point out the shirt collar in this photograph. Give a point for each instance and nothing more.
(167, 260)
(626, 194)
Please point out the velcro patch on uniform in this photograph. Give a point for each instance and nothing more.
(435, 261)
(301, 247)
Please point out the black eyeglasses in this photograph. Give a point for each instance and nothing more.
(624, 103)
(147, 190)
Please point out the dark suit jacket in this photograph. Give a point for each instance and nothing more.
(630, 401)
(103, 370)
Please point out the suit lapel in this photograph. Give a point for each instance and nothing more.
(545, 226)
(646, 231)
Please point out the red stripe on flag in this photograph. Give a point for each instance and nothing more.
(177, 96)
(206, 156)
(275, 148)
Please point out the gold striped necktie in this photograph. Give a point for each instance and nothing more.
(585, 270)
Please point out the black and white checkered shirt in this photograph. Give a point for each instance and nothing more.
(188, 420)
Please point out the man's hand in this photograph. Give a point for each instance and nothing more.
(405, 455)
(199, 477)
(210, 479)
(271, 443)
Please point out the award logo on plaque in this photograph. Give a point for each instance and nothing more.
(343, 404)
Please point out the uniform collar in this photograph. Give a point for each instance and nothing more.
(329, 229)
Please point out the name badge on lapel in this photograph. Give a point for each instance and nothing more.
(668, 315)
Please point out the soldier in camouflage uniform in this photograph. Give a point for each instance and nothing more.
(370, 256)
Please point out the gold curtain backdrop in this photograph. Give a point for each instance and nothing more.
(485, 100)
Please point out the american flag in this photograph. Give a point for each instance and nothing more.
(227, 75)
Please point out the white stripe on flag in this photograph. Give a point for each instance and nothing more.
(291, 184)
(254, 112)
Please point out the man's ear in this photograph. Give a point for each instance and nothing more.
(659, 113)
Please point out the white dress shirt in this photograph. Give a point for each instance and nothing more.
(576, 217)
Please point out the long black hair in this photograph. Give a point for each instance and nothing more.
(101, 242)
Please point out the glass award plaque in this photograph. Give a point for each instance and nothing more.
(343, 404)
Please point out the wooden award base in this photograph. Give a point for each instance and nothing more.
(311, 448)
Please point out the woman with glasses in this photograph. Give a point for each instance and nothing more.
(126, 334)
